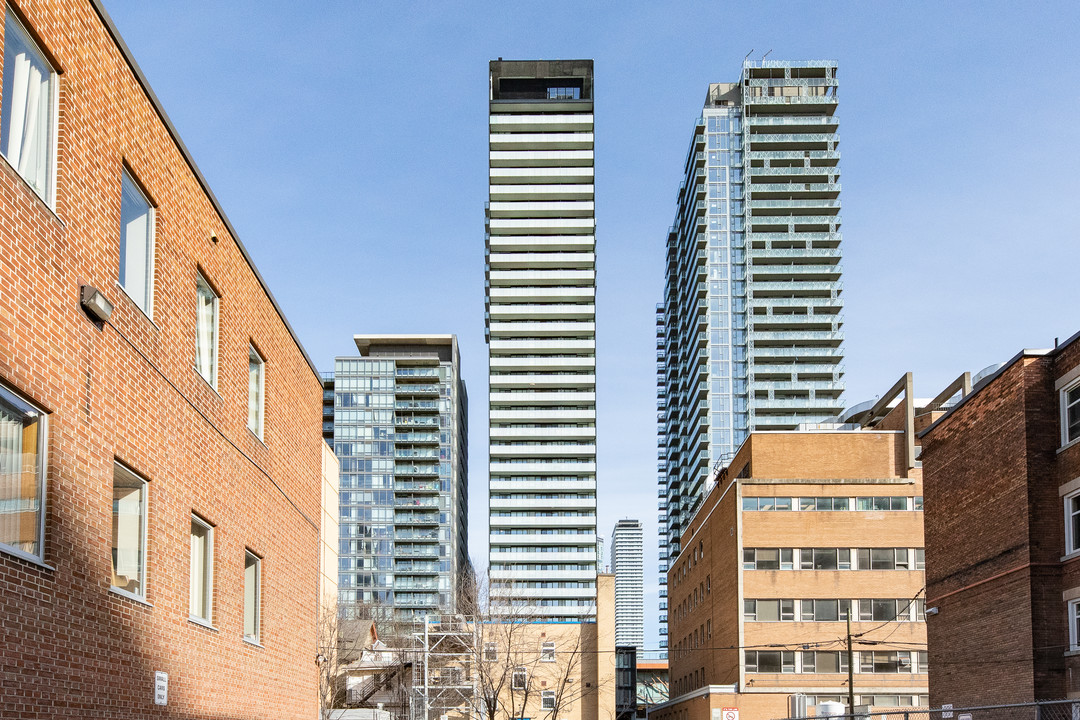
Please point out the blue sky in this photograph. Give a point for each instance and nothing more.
(348, 141)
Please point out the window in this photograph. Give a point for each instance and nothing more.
(770, 661)
(1070, 396)
(491, 652)
(26, 119)
(824, 610)
(890, 662)
(883, 610)
(920, 559)
(766, 503)
(252, 596)
(1072, 523)
(22, 475)
(823, 503)
(206, 330)
(881, 503)
(827, 661)
(519, 679)
(129, 532)
(256, 374)
(547, 652)
(768, 610)
(883, 559)
(547, 699)
(767, 559)
(136, 244)
(202, 571)
(825, 559)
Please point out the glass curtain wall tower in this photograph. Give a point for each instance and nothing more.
(627, 564)
(540, 329)
(397, 419)
(749, 332)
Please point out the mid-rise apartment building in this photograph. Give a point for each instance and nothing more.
(541, 334)
(628, 567)
(800, 530)
(160, 457)
(399, 425)
(749, 330)
(1002, 486)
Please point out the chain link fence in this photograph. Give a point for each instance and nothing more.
(1044, 710)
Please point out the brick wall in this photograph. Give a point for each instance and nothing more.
(128, 392)
(995, 538)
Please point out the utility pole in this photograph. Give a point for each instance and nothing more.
(850, 668)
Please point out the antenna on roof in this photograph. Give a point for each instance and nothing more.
(765, 56)
(748, 55)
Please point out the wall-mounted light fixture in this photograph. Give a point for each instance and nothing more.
(932, 611)
(94, 303)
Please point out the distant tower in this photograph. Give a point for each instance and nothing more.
(749, 332)
(627, 564)
(540, 281)
(397, 417)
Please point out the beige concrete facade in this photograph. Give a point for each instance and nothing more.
(577, 674)
(802, 526)
(328, 530)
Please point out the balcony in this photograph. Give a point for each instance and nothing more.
(416, 470)
(416, 389)
(421, 373)
(409, 421)
(432, 405)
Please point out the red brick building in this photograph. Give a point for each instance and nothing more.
(159, 469)
(1001, 474)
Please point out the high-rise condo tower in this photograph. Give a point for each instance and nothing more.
(748, 334)
(540, 319)
(397, 417)
(626, 564)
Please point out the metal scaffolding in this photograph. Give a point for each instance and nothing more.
(444, 678)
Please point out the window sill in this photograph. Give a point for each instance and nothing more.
(131, 596)
(1070, 556)
(206, 382)
(124, 292)
(1071, 653)
(201, 623)
(1066, 446)
(35, 193)
(253, 643)
(255, 435)
(32, 559)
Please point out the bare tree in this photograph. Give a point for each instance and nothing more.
(342, 634)
(522, 664)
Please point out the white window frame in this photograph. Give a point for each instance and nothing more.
(255, 639)
(215, 358)
(491, 652)
(120, 468)
(547, 699)
(519, 672)
(255, 357)
(1063, 403)
(1074, 624)
(208, 588)
(547, 651)
(49, 197)
(151, 243)
(27, 407)
(1072, 544)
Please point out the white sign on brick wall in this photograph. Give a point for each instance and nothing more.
(161, 688)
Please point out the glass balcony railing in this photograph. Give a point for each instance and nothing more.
(415, 486)
(409, 421)
(417, 373)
